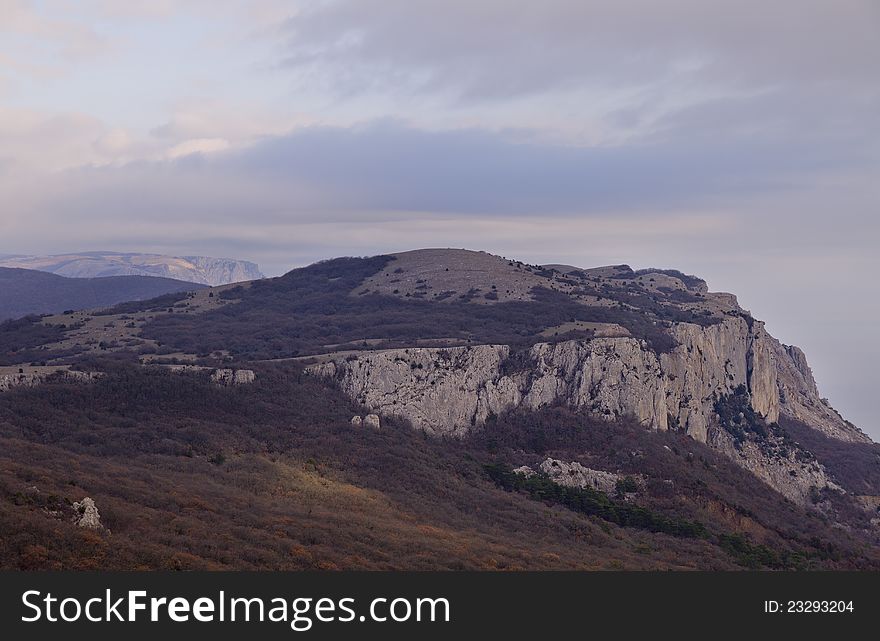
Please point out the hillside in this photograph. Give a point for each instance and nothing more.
(26, 291)
(188, 475)
(529, 417)
(194, 269)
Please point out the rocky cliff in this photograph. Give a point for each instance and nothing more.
(800, 399)
(221, 271)
(449, 390)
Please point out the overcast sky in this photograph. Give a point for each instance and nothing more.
(734, 140)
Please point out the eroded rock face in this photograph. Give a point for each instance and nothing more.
(86, 514)
(610, 377)
(229, 377)
(450, 390)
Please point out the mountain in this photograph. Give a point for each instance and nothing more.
(428, 409)
(26, 291)
(193, 269)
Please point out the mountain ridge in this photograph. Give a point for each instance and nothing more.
(203, 270)
(27, 291)
(622, 373)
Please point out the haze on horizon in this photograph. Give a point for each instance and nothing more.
(734, 140)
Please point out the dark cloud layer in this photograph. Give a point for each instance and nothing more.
(495, 49)
(390, 167)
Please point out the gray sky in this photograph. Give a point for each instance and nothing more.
(735, 140)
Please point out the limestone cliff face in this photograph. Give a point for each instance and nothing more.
(609, 377)
(449, 390)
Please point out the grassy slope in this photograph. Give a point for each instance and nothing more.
(307, 309)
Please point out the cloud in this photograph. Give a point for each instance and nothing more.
(798, 73)
(324, 190)
(28, 25)
(34, 140)
(386, 168)
(492, 49)
(198, 146)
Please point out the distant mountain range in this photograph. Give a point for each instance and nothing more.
(194, 269)
(27, 291)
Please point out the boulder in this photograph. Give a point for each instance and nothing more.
(371, 420)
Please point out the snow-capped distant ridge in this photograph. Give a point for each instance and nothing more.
(204, 270)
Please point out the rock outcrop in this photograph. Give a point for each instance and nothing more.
(34, 377)
(791, 472)
(576, 475)
(370, 420)
(229, 377)
(86, 514)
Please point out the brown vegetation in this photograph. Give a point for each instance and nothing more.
(272, 475)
